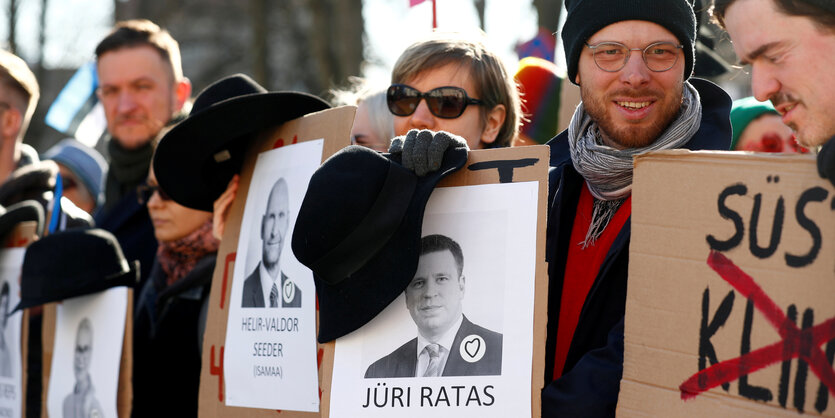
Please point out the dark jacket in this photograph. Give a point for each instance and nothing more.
(253, 295)
(131, 224)
(168, 340)
(403, 361)
(594, 365)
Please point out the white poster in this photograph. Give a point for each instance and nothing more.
(459, 342)
(89, 331)
(11, 260)
(270, 357)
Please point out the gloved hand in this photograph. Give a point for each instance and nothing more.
(826, 161)
(423, 151)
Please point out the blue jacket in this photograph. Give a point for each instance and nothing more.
(594, 365)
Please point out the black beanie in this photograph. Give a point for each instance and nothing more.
(586, 17)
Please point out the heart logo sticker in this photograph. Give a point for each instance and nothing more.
(289, 291)
(472, 348)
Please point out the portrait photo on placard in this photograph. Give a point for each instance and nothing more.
(270, 337)
(11, 260)
(458, 339)
(89, 332)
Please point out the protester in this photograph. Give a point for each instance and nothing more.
(19, 93)
(540, 85)
(454, 83)
(783, 43)
(172, 306)
(373, 124)
(757, 127)
(141, 87)
(82, 171)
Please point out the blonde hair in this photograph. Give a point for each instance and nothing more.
(17, 79)
(493, 83)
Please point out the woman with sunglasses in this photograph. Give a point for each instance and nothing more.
(171, 309)
(454, 83)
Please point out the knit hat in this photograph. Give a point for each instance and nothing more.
(745, 110)
(587, 17)
(86, 163)
(539, 84)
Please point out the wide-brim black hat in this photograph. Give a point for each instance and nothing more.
(27, 210)
(195, 160)
(359, 230)
(73, 263)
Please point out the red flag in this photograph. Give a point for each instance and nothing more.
(413, 3)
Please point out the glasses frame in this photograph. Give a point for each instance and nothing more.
(431, 94)
(627, 56)
(144, 193)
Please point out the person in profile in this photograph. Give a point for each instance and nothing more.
(447, 344)
(261, 287)
(5, 354)
(82, 402)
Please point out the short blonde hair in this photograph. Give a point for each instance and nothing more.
(493, 83)
(17, 79)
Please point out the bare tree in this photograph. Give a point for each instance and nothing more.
(12, 26)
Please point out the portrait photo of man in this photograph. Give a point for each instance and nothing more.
(82, 402)
(262, 287)
(447, 344)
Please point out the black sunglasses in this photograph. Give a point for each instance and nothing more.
(444, 102)
(145, 191)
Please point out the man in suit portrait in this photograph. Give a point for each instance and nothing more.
(82, 402)
(262, 287)
(447, 344)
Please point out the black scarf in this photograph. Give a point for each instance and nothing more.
(128, 169)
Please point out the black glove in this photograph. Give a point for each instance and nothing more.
(423, 151)
(826, 160)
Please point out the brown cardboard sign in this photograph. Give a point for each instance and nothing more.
(269, 360)
(729, 308)
(488, 316)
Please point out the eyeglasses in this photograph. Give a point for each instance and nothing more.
(613, 56)
(444, 102)
(145, 191)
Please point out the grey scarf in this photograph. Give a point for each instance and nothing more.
(608, 171)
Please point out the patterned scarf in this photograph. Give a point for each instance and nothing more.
(608, 171)
(177, 258)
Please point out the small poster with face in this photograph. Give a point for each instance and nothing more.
(89, 331)
(11, 261)
(271, 329)
(459, 341)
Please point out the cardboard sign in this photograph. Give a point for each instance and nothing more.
(730, 307)
(493, 210)
(265, 360)
(124, 389)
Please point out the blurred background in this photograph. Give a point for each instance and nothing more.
(304, 45)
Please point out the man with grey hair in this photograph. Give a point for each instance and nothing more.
(788, 44)
(82, 402)
(262, 288)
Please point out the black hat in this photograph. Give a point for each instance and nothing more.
(359, 229)
(196, 159)
(27, 210)
(827, 5)
(586, 17)
(72, 263)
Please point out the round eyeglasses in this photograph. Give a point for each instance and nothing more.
(613, 56)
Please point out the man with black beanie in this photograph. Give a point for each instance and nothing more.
(632, 60)
(789, 44)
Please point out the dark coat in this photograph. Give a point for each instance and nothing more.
(253, 295)
(594, 365)
(168, 341)
(131, 224)
(403, 361)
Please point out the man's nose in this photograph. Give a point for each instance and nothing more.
(763, 83)
(126, 102)
(635, 72)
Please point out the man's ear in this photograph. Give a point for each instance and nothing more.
(462, 282)
(182, 91)
(10, 123)
(495, 120)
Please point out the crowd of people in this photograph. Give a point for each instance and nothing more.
(633, 62)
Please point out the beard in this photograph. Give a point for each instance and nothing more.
(633, 134)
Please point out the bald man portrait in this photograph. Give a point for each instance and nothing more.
(82, 402)
(262, 287)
